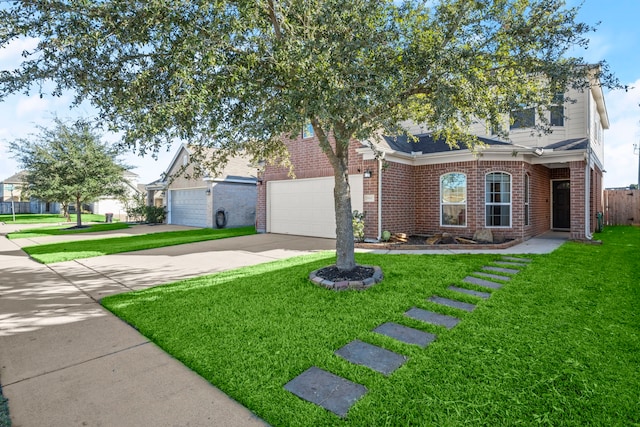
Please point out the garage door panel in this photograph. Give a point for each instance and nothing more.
(188, 207)
(305, 206)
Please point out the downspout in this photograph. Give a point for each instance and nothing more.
(587, 174)
(587, 195)
(380, 198)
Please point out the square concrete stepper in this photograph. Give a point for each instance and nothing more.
(452, 303)
(405, 334)
(325, 389)
(371, 356)
(433, 318)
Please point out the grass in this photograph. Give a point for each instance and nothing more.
(558, 345)
(60, 230)
(47, 218)
(5, 419)
(66, 251)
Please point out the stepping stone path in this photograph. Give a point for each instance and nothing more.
(434, 318)
(492, 276)
(337, 394)
(405, 334)
(483, 295)
(325, 389)
(374, 357)
(453, 303)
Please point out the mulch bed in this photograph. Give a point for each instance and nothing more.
(361, 277)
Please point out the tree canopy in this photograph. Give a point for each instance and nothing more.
(240, 75)
(68, 163)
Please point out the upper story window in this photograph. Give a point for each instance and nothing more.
(307, 130)
(453, 199)
(498, 199)
(557, 111)
(523, 118)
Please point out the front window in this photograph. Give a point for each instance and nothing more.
(498, 199)
(453, 199)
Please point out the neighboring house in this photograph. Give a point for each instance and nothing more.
(156, 193)
(11, 190)
(116, 206)
(518, 188)
(225, 200)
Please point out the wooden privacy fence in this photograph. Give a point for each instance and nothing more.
(622, 207)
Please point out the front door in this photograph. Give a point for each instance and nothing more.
(561, 205)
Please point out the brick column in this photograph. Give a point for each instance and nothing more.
(261, 208)
(577, 200)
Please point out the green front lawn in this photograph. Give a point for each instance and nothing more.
(558, 345)
(47, 218)
(60, 230)
(66, 251)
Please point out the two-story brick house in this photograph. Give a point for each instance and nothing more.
(518, 188)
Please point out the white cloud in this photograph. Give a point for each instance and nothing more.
(28, 106)
(11, 55)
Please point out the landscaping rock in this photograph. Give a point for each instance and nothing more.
(483, 235)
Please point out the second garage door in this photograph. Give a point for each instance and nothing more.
(188, 207)
(305, 207)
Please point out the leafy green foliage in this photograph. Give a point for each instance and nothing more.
(358, 226)
(240, 76)
(66, 251)
(69, 164)
(5, 419)
(555, 345)
(155, 214)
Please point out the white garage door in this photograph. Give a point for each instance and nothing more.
(305, 207)
(188, 207)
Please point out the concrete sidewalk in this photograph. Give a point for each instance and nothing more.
(65, 361)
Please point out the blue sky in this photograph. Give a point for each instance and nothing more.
(617, 41)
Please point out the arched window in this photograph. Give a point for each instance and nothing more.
(453, 199)
(498, 199)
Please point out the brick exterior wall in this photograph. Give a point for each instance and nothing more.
(411, 194)
(576, 170)
(399, 188)
(427, 196)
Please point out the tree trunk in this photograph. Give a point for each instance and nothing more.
(345, 247)
(78, 212)
(339, 159)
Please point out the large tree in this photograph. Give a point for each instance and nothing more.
(241, 75)
(69, 163)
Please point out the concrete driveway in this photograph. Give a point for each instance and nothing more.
(66, 361)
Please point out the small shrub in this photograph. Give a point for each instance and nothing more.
(155, 214)
(386, 235)
(358, 226)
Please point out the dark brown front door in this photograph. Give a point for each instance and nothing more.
(561, 204)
